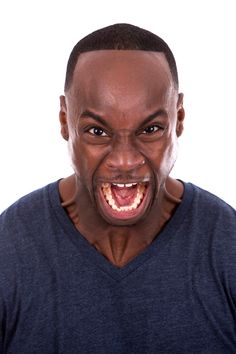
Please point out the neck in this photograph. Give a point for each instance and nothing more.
(119, 244)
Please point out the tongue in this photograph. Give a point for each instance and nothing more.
(124, 196)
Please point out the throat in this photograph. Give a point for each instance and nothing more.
(120, 249)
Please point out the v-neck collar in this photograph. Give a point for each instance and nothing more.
(92, 255)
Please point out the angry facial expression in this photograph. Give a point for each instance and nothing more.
(122, 115)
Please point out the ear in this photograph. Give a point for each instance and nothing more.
(180, 115)
(63, 118)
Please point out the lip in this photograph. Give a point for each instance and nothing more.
(125, 181)
(124, 217)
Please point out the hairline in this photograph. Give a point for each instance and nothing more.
(175, 83)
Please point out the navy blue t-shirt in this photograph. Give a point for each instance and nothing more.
(59, 295)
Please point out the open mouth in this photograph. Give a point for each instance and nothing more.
(124, 200)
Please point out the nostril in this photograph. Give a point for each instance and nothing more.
(127, 162)
(142, 162)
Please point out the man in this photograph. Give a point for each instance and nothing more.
(119, 257)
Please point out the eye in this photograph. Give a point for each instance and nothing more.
(97, 131)
(151, 129)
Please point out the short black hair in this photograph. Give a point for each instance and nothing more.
(120, 36)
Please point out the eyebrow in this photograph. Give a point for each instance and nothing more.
(158, 113)
(89, 114)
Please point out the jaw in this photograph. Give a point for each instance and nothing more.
(124, 204)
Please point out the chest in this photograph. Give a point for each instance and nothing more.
(158, 307)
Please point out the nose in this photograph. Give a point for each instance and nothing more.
(124, 156)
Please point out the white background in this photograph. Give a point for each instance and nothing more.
(36, 40)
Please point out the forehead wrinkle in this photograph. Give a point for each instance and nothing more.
(108, 103)
(121, 99)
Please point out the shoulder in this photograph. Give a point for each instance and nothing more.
(210, 219)
(24, 229)
(26, 213)
(27, 203)
(207, 205)
(213, 222)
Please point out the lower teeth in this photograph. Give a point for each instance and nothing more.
(108, 196)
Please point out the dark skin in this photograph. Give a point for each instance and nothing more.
(122, 117)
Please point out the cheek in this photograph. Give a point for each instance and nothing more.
(85, 159)
(78, 156)
(170, 151)
(162, 154)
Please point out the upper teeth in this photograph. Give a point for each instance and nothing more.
(122, 185)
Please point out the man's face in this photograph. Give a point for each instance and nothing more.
(123, 116)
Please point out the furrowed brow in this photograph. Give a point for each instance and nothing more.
(89, 114)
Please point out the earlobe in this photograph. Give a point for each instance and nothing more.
(63, 118)
(180, 115)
